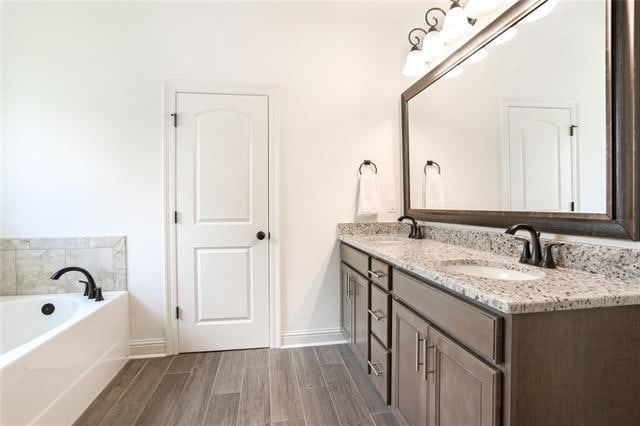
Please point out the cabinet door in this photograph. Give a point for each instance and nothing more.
(409, 387)
(463, 390)
(346, 302)
(361, 317)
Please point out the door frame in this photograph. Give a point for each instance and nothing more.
(171, 89)
(506, 103)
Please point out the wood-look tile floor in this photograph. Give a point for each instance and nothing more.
(322, 385)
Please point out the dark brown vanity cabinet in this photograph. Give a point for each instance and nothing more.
(436, 381)
(360, 341)
(346, 303)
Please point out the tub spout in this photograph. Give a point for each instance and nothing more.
(90, 288)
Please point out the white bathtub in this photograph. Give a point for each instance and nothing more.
(53, 366)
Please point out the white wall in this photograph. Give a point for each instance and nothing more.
(83, 122)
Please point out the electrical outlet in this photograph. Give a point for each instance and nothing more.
(391, 205)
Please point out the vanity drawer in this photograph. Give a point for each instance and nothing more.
(357, 260)
(379, 369)
(475, 328)
(380, 273)
(379, 315)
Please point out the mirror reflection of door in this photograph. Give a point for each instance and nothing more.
(541, 157)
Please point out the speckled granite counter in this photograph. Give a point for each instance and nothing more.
(556, 289)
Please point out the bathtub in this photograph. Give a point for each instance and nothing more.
(53, 366)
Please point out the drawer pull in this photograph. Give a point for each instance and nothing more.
(375, 317)
(376, 372)
(376, 275)
(418, 340)
(426, 358)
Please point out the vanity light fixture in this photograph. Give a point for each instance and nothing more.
(415, 65)
(543, 10)
(456, 24)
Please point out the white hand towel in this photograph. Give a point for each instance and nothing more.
(433, 191)
(368, 195)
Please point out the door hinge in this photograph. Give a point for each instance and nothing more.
(177, 312)
(175, 216)
(573, 206)
(175, 119)
(572, 129)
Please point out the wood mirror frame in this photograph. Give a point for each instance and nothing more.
(622, 217)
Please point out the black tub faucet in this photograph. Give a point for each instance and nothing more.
(415, 233)
(89, 285)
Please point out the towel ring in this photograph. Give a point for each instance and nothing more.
(431, 163)
(368, 163)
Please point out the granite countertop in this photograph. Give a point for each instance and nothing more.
(555, 290)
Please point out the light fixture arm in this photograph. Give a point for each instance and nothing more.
(432, 21)
(415, 40)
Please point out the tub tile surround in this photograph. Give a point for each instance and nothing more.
(27, 263)
(611, 262)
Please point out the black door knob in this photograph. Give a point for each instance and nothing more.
(260, 235)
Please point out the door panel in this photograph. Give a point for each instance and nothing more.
(223, 166)
(464, 390)
(541, 159)
(409, 379)
(222, 146)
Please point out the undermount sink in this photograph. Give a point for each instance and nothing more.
(492, 272)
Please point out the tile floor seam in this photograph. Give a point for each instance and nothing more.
(123, 392)
(152, 392)
(206, 410)
(295, 374)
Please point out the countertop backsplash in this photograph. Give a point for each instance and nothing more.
(614, 262)
(27, 263)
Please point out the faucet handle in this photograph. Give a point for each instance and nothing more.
(525, 256)
(86, 287)
(547, 259)
(99, 297)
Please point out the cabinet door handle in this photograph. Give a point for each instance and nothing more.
(375, 317)
(426, 359)
(418, 340)
(349, 287)
(376, 275)
(376, 372)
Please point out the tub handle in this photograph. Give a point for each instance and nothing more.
(99, 297)
(86, 287)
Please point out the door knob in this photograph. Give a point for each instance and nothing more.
(260, 235)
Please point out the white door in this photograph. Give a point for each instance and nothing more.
(541, 159)
(222, 202)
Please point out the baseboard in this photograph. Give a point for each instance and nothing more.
(317, 337)
(147, 348)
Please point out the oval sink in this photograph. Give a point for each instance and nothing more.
(493, 272)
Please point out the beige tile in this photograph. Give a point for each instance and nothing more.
(99, 263)
(7, 272)
(76, 242)
(104, 242)
(46, 243)
(14, 244)
(33, 269)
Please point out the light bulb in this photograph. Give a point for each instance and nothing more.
(414, 65)
(477, 9)
(453, 73)
(433, 49)
(456, 25)
(504, 37)
(477, 57)
(541, 11)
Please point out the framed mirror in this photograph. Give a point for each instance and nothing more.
(534, 119)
